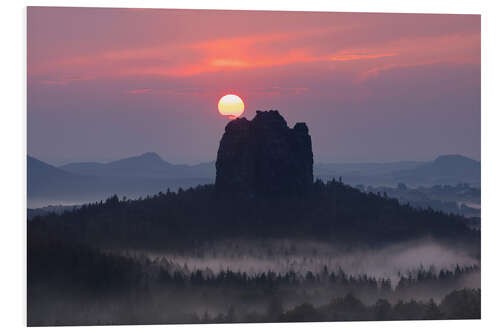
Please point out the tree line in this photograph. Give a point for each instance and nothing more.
(72, 284)
(331, 211)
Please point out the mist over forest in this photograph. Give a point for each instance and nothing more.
(194, 256)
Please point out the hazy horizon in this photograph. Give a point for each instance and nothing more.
(61, 162)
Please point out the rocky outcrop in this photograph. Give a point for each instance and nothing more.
(263, 156)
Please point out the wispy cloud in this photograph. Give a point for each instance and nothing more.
(275, 91)
(204, 91)
(348, 56)
(140, 91)
(256, 51)
(450, 49)
(63, 81)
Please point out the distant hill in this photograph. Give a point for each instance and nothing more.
(147, 165)
(132, 177)
(363, 173)
(444, 170)
(47, 181)
(38, 170)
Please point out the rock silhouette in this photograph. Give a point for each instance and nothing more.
(263, 156)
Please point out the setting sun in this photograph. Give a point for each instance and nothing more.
(231, 106)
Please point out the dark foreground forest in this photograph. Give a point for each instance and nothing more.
(196, 256)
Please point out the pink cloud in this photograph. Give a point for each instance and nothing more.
(276, 91)
(204, 91)
(140, 91)
(347, 56)
(335, 46)
(63, 81)
(451, 49)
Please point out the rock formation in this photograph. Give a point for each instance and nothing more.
(263, 156)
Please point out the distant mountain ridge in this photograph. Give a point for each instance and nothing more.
(44, 179)
(136, 176)
(37, 168)
(444, 170)
(148, 173)
(364, 168)
(147, 165)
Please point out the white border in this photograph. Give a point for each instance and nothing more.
(13, 152)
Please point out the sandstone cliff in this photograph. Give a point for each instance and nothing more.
(263, 156)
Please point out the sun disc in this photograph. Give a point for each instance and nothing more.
(231, 106)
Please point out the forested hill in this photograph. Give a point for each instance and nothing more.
(330, 211)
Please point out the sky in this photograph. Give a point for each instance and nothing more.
(105, 84)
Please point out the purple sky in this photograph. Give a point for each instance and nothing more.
(110, 83)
